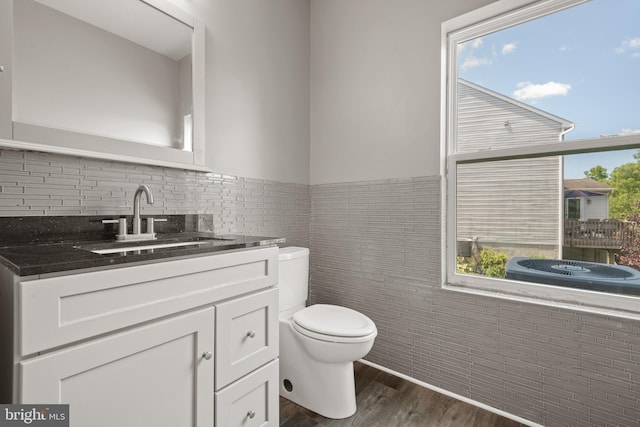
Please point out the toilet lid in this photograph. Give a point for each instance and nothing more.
(334, 321)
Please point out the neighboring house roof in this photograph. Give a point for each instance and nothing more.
(566, 124)
(587, 185)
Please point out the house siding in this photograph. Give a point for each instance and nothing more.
(482, 118)
(499, 202)
(522, 199)
(596, 207)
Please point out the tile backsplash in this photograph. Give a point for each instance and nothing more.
(43, 184)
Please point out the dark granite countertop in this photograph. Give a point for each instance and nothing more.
(41, 245)
(42, 258)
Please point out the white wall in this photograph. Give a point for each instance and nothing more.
(375, 87)
(257, 87)
(595, 207)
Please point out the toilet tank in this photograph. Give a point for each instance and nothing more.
(293, 277)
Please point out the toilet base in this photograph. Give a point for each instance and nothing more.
(327, 389)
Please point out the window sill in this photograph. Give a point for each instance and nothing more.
(619, 306)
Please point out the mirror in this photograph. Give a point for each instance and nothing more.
(111, 78)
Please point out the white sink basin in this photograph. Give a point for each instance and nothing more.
(147, 247)
(136, 246)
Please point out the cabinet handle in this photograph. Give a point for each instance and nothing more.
(1, 68)
(251, 414)
(207, 355)
(251, 334)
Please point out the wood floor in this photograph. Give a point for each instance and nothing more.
(385, 400)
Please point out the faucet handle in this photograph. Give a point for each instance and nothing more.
(122, 225)
(150, 224)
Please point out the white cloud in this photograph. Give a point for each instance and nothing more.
(627, 45)
(508, 48)
(473, 44)
(627, 131)
(472, 61)
(528, 90)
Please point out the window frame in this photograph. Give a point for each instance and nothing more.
(488, 19)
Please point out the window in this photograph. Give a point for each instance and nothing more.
(573, 208)
(542, 142)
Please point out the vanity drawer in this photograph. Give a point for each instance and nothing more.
(252, 401)
(246, 335)
(60, 310)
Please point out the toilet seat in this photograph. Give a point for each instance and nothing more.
(334, 323)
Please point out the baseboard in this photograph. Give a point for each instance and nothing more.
(454, 395)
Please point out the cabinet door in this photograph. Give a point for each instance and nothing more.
(157, 375)
(246, 335)
(251, 402)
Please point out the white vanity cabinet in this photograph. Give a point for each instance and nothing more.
(183, 342)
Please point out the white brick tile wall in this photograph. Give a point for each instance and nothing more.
(375, 247)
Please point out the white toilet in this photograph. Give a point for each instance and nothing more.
(318, 344)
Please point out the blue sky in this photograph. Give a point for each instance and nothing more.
(582, 64)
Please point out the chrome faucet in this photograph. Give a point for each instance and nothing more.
(136, 206)
(137, 234)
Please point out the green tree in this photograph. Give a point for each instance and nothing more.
(599, 173)
(624, 202)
